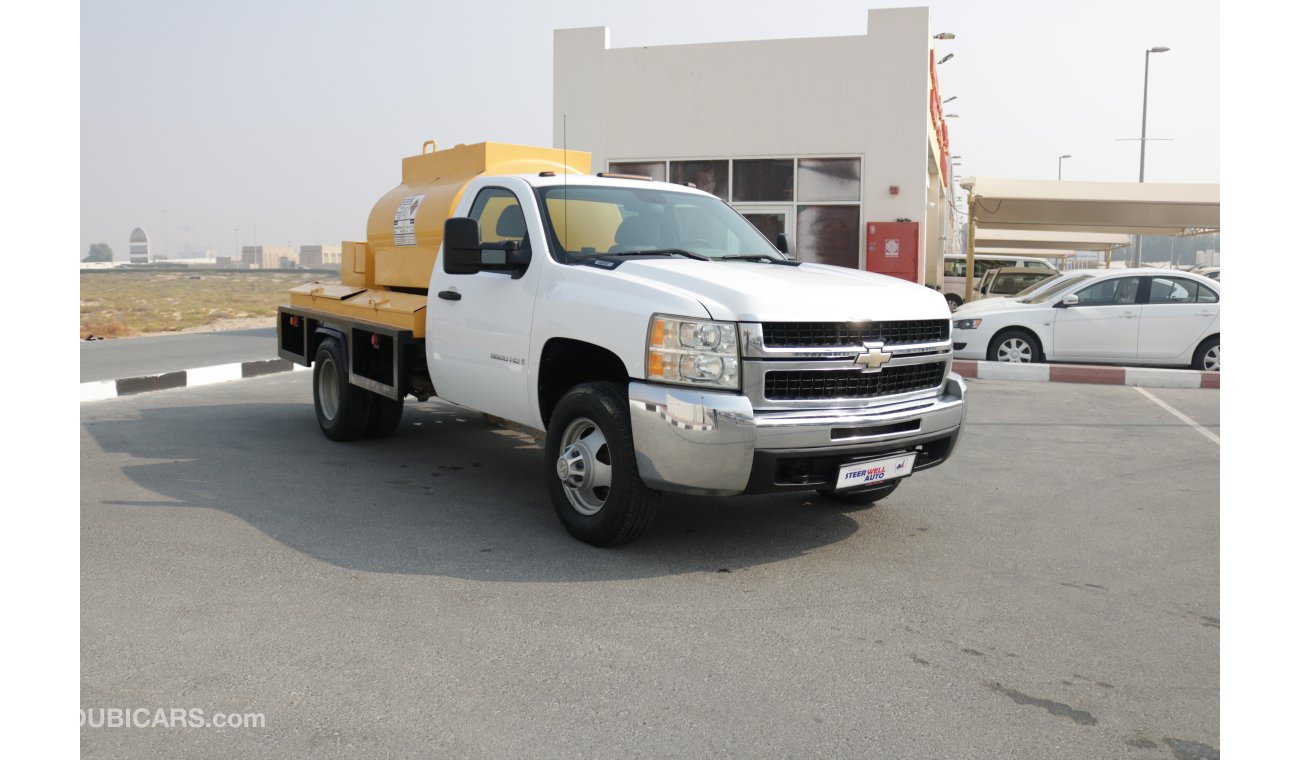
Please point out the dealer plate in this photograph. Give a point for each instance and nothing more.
(875, 471)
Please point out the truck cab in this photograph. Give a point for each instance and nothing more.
(657, 341)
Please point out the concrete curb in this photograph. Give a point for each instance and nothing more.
(1087, 373)
(185, 378)
(1038, 373)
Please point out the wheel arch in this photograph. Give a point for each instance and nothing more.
(322, 332)
(566, 362)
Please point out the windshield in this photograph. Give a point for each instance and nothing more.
(590, 221)
(1050, 292)
(1008, 283)
(1035, 287)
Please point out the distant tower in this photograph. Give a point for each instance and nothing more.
(139, 246)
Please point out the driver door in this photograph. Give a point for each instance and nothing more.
(479, 338)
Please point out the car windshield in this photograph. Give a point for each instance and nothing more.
(1066, 282)
(1035, 287)
(1008, 283)
(596, 220)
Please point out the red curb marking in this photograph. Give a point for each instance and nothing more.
(966, 367)
(1209, 379)
(1079, 374)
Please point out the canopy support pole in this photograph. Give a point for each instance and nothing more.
(970, 257)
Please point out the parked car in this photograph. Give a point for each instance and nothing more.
(1119, 316)
(1009, 281)
(954, 271)
(1211, 272)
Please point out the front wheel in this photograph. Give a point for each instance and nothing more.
(953, 301)
(592, 475)
(1015, 346)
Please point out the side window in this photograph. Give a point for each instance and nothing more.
(499, 215)
(954, 267)
(1172, 290)
(1116, 292)
(1035, 265)
(1205, 295)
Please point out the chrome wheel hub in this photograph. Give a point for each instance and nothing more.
(584, 466)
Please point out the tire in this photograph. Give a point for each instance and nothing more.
(342, 409)
(591, 469)
(1207, 355)
(953, 301)
(1015, 346)
(385, 414)
(860, 495)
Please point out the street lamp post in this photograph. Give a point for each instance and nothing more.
(1142, 154)
(1059, 159)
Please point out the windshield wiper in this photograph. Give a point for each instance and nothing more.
(760, 257)
(661, 252)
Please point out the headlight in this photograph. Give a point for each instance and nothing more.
(692, 352)
(965, 324)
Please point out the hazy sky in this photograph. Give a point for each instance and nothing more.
(293, 116)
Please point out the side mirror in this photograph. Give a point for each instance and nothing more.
(782, 244)
(1068, 301)
(466, 253)
(461, 247)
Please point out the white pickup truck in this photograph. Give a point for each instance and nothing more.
(655, 338)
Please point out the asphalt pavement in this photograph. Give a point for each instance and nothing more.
(1050, 592)
(155, 354)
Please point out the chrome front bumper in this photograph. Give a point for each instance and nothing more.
(715, 443)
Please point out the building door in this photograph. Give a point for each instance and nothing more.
(771, 221)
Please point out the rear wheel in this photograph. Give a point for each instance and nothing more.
(1207, 355)
(342, 409)
(859, 495)
(1015, 346)
(953, 301)
(592, 475)
(385, 414)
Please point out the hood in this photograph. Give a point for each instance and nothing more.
(986, 305)
(743, 291)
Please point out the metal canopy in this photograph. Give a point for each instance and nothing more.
(1043, 253)
(1135, 208)
(1041, 240)
(1042, 206)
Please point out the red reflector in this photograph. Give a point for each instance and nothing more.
(293, 321)
(374, 341)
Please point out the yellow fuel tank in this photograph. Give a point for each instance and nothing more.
(405, 227)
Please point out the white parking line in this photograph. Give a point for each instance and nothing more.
(1179, 415)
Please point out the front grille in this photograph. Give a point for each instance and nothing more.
(824, 334)
(799, 385)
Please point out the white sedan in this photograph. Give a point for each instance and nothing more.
(1119, 316)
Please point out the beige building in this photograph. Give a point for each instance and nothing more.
(268, 257)
(320, 256)
(816, 139)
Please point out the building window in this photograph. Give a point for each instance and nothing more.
(763, 179)
(709, 176)
(830, 179)
(655, 170)
(828, 234)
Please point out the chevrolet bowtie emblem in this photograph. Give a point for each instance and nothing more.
(874, 359)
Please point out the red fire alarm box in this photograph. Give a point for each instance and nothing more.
(892, 249)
